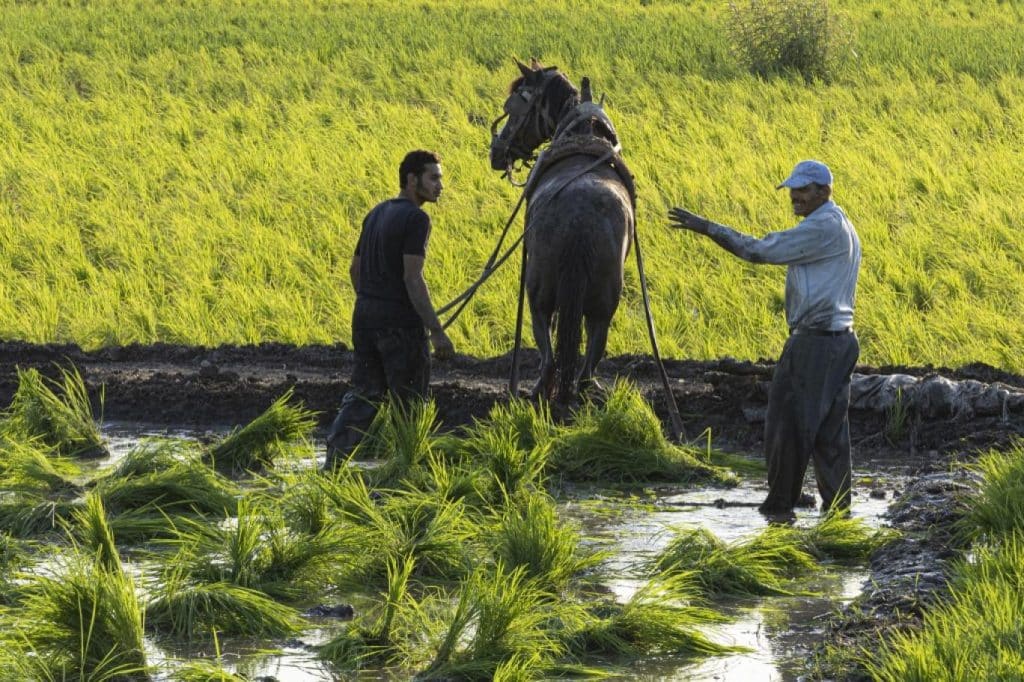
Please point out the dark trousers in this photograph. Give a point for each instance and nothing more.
(389, 360)
(808, 419)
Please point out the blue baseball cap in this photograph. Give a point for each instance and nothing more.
(807, 172)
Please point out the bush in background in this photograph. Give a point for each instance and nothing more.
(778, 36)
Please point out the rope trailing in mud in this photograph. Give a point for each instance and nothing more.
(678, 431)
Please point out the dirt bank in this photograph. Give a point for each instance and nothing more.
(192, 386)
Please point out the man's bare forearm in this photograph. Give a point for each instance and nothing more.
(419, 295)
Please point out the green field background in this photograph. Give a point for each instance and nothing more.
(196, 172)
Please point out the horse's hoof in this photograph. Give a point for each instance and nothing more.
(592, 389)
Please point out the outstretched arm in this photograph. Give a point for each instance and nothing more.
(781, 248)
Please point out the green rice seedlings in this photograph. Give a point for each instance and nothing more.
(973, 634)
(530, 536)
(662, 617)
(623, 441)
(26, 515)
(839, 537)
(12, 558)
(501, 619)
(154, 455)
(509, 467)
(438, 534)
(89, 528)
(530, 423)
(258, 551)
(186, 487)
(758, 566)
(373, 638)
(83, 622)
(254, 447)
(63, 422)
(997, 508)
(452, 481)
(24, 465)
(183, 608)
(401, 438)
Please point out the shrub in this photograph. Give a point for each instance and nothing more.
(778, 36)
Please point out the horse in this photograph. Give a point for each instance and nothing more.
(580, 216)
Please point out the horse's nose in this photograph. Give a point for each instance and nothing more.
(499, 160)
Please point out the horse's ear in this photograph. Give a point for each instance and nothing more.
(523, 68)
(585, 95)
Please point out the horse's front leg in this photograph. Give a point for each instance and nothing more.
(541, 321)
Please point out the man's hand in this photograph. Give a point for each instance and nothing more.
(681, 219)
(443, 346)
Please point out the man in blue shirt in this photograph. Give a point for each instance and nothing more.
(808, 406)
(393, 313)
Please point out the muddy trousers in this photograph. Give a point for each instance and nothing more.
(808, 420)
(389, 360)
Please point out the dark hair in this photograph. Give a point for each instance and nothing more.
(415, 162)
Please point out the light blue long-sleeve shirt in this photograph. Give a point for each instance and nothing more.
(823, 255)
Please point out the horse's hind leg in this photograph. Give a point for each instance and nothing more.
(597, 340)
(542, 337)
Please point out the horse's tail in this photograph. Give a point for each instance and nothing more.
(573, 276)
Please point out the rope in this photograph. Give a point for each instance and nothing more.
(679, 432)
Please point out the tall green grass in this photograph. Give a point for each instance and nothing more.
(197, 172)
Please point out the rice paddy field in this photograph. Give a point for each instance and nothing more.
(197, 172)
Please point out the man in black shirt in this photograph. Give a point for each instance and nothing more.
(393, 313)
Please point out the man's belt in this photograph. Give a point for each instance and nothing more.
(810, 331)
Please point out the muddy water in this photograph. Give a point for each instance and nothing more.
(778, 631)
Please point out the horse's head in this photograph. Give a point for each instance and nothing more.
(535, 103)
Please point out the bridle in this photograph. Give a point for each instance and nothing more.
(524, 107)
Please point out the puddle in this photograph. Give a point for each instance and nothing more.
(779, 631)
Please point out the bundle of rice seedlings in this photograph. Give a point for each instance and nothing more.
(838, 537)
(83, 622)
(501, 619)
(758, 566)
(89, 528)
(183, 487)
(26, 465)
(401, 437)
(530, 423)
(254, 447)
(63, 422)
(437, 533)
(259, 551)
(450, 481)
(373, 638)
(510, 468)
(529, 535)
(622, 440)
(26, 515)
(184, 608)
(153, 455)
(660, 618)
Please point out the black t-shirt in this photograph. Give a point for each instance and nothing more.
(394, 228)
